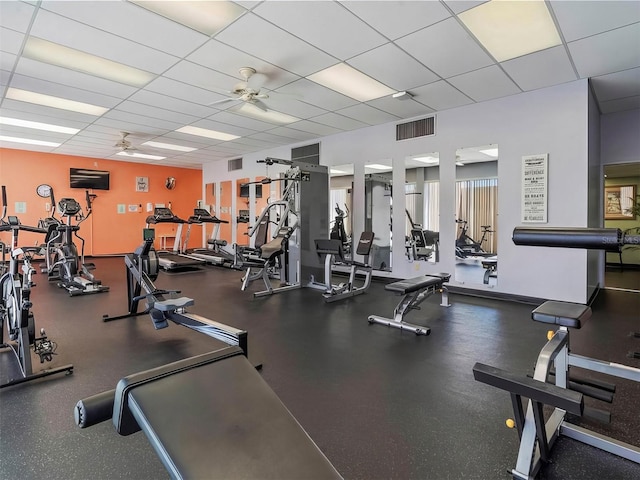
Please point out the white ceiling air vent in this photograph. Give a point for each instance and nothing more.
(417, 128)
(234, 164)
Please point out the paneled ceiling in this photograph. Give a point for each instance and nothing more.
(421, 47)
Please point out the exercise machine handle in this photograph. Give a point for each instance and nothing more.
(95, 409)
(608, 239)
(4, 196)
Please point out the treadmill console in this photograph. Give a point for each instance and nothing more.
(200, 212)
(162, 213)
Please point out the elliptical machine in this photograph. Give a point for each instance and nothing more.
(15, 306)
(63, 262)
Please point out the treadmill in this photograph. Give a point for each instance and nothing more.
(174, 260)
(214, 255)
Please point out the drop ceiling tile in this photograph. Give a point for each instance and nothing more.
(313, 127)
(440, 96)
(397, 19)
(4, 76)
(445, 48)
(39, 85)
(309, 20)
(297, 108)
(583, 19)
(129, 21)
(33, 148)
(47, 112)
(71, 78)
(16, 15)
(118, 123)
(38, 117)
(252, 141)
(156, 112)
(459, 6)
(339, 121)
(316, 94)
(618, 85)
(601, 54)
(270, 137)
(223, 58)
(240, 121)
(393, 67)
(223, 127)
(262, 39)
(10, 42)
(541, 69)
(14, 131)
(367, 114)
(293, 133)
(199, 76)
(179, 96)
(7, 62)
(485, 84)
(400, 108)
(64, 31)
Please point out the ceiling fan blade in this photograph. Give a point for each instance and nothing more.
(224, 100)
(261, 105)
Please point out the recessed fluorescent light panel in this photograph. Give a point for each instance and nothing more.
(205, 17)
(16, 122)
(55, 102)
(512, 29)
(377, 166)
(337, 172)
(28, 141)
(65, 57)
(203, 132)
(427, 160)
(492, 152)
(350, 82)
(268, 116)
(169, 146)
(140, 155)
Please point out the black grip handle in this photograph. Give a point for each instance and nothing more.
(608, 239)
(53, 201)
(27, 228)
(4, 196)
(95, 409)
(86, 192)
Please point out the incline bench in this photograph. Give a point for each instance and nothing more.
(415, 291)
(210, 416)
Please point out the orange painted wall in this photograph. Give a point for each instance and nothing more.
(106, 232)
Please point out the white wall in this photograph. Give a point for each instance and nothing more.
(552, 120)
(620, 142)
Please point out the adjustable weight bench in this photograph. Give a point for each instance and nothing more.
(210, 416)
(415, 291)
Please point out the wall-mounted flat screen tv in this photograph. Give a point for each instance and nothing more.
(244, 190)
(85, 178)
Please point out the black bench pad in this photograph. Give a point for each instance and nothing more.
(563, 314)
(222, 420)
(417, 283)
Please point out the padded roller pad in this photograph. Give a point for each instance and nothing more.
(417, 283)
(563, 314)
(173, 304)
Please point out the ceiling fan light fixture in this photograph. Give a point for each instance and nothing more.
(72, 59)
(54, 102)
(205, 17)
(350, 82)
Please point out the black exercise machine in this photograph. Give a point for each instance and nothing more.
(422, 244)
(215, 254)
(15, 306)
(142, 269)
(555, 360)
(210, 416)
(329, 252)
(467, 246)
(415, 291)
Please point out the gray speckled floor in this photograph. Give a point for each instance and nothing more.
(379, 402)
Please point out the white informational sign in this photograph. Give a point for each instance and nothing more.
(534, 188)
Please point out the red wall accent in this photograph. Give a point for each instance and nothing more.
(106, 231)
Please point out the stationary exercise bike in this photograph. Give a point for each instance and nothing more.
(63, 261)
(15, 306)
(467, 246)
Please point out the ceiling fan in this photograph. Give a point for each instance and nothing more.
(249, 90)
(123, 144)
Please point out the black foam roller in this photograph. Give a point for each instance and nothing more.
(608, 239)
(95, 409)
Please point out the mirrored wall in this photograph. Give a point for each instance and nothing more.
(422, 207)
(379, 212)
(340, 206)
(225, 212)
(476, 215)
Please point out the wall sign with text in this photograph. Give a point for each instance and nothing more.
(534, 188)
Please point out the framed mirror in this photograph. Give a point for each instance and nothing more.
(422, 207)
(476, 215)
(378, 212)
(226, 199)
(243, 209)
(340, 206)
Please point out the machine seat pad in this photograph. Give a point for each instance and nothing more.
(417, 283)
(171, 304)
(563, 314)
(221, 420)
